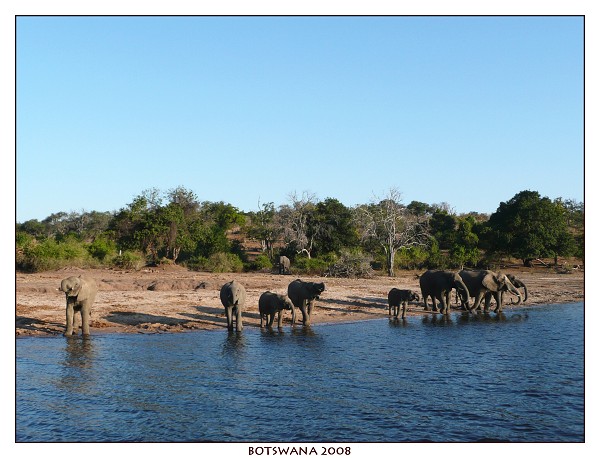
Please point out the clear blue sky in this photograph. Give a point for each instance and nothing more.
(463, 110)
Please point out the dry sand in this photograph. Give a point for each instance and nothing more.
(173, 299)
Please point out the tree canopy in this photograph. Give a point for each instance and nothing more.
(176, 226)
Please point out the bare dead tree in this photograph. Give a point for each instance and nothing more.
(295, 220)
(388, 223)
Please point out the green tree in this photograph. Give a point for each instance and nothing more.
(264, 228)
(332, 224)
(529, 226)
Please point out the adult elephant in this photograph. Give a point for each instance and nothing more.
(233, 297)
(284, 265)
(438, 284)
(271, 303)
(517, 283)
(80, 293)
(302, 294)
(490, 283)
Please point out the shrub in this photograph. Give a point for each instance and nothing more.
(262, 262)
(312, 266)
(129, 260)
(196, 263)
(101, 248)
(224, 262)
(352, 263)
(413, 257)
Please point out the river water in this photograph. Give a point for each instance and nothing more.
(513, 377)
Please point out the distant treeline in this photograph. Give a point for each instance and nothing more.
(320, 237)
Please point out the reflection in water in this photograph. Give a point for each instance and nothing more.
(398, 322)
(77, 366)
(303, 331)
(437, 320)
(321, 383)
(234, 343)
(79, 352)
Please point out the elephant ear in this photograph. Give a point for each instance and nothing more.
(77, 286)
(490, 282)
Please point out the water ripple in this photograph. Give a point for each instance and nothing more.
(436, 379)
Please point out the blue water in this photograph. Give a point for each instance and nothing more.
(514, 377)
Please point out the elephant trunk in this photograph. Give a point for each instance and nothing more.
(462, 289)
(526, 293)
(516, 292)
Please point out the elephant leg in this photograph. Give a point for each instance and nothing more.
(390, 310)
(271, 319)
(435, 307)
(444, 309)
(229, 313)
(70, 320)
(488, 301)
(305, 315)
(85, 320)
(310, 307)
(279, 319)
(426, 308)
(293, 315)
(239, 325)
(499, 298)
(263, 319)
(403, 310)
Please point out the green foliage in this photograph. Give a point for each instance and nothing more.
(261, 263)
(436, 259)
(102, 248)
(351, 263)
(333, 228)
(310, 266)
(414, 257)
(530, 226)
(129, 260)
(224, 262)
(318, 236)
(48, 254)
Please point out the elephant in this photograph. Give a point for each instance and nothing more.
(302, 294)
(438, 284)
(485, 283)
(397, 297)
(80, 293)
(233, 297)
(284, 265)
(517, 283)
(270, 303)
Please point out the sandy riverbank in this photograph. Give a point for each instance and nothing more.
(173, 299)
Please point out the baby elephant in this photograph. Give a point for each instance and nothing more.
(270, 303)
(397, 297)
(80, 293)
(233, 297)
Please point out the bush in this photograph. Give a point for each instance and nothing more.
(102, 248)
(38, 256)
(413, 257)
(352, 263)
(261, 263)
(224, 262)
(312, 266)
(129, 260)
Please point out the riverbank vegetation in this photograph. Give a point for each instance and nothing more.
(320, 237)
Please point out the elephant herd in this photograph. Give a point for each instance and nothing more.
(301, 294)
(481, 285)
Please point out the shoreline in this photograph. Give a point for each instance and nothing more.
(288, 326)
(175, 300)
